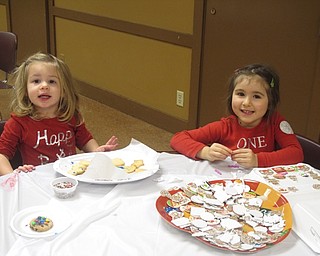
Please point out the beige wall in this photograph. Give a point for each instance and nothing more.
(3, 18)
(143, 70)
(175, 15)
(140, 51)
(135, 54)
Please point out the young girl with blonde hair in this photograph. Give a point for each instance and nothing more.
(45, 123)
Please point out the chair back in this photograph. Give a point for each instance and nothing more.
(16, 161)
(8, 55)
(311, 151)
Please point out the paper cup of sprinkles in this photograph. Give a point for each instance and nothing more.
(64, 187)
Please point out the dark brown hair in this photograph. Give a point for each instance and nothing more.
(268, 75)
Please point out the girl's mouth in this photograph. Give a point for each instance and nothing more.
(247, 112)
(44, 96)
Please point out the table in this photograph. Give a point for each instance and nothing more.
(117, 219)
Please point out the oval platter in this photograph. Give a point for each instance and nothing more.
(236, 228)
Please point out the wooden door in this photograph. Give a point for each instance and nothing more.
(29, 23)
(283, 34)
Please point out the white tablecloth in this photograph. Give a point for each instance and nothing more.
(118, 219)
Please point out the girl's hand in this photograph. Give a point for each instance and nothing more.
(245, 157)
(111, 144)
(215, 152)
(26, 168)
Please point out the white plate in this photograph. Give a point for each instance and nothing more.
(20, 221)
(150, 166)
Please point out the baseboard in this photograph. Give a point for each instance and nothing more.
(127, 106)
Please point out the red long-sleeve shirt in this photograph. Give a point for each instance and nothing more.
(273, 142)
(42, 141)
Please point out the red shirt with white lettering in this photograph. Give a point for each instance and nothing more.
(274, 142)
(42, 141)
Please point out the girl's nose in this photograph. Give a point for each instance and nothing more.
(246, 102)
(44, 85)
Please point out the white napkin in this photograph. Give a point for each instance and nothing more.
(15, 199)
(9, 206)
(63, 244)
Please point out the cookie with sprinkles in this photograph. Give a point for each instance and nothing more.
(41, 224)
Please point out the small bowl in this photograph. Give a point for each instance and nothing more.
(64, 187)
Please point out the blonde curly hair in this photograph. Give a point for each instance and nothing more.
(69, 98)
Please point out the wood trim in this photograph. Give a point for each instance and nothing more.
(124, 26)
(196, 63)
(47, 25)
(52, 28)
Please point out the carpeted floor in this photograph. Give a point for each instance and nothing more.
(104, 121)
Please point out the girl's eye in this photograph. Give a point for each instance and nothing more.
(52, 82)
(240, 94)
(36, 81)
(257, 96)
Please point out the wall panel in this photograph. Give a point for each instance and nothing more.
(175, 15)
(143, 70)
(3, 18)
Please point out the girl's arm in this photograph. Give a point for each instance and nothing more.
(93, 146)
(289, 153)
(191, 143)
(5, 166)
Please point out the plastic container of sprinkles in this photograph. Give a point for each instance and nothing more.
(64, 187)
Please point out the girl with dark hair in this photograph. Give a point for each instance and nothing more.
(255, 134)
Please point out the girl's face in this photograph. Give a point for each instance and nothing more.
(43, 88)
(250, 100)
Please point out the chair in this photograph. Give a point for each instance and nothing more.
(8, 56)
(311, 151)
(16, 160)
